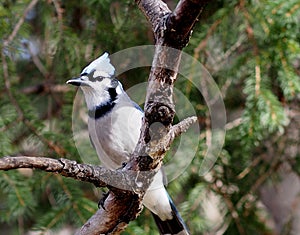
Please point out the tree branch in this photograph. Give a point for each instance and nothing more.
(181, 21)
(154, 11)
(183, 126)
(122, 205)
(171, 30)
(64, 167)
(122, 202)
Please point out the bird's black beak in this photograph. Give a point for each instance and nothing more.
(75, 81)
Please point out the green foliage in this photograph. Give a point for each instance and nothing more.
(19, 200)
(264, 114)
(69, 206)
(250, 47)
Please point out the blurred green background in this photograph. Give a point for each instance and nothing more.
(251, 48)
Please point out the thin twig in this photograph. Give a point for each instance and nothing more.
(248, 169)
(276, 163)
(231, 207)
(252, 39)
(59, 11)
(183, 126)
(10, 124)
(19, 24)
(203, 43)
(36, 60)
(234, 123)
(58, 149)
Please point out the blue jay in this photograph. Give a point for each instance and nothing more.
(114, 127)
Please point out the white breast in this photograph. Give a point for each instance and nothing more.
(116, 134)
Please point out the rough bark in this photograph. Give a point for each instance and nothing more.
(65, 167)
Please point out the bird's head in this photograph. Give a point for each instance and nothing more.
(98, 82)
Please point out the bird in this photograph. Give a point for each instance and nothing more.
(114, 125)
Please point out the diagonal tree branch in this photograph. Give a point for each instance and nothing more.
(21, 20)
(154, 11)
(171, 30)
(118, 209)
(181, 21)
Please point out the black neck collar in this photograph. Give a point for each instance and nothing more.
(102, 109)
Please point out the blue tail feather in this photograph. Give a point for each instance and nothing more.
(173, 226)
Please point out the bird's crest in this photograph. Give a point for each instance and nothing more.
(100, 65)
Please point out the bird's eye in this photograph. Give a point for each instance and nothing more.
(99, 78)
(94, 76)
